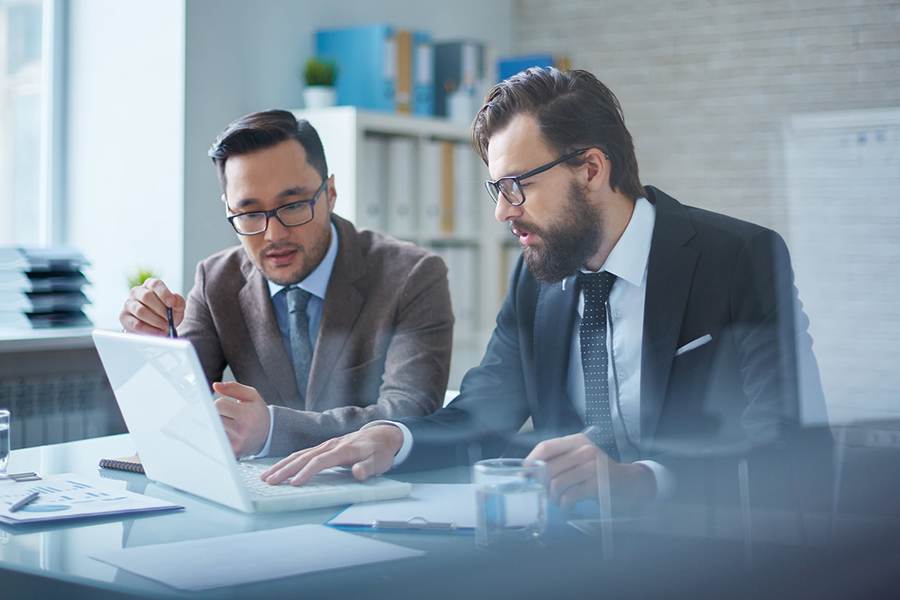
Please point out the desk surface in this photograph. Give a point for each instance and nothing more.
(62, 551)
(52, 560)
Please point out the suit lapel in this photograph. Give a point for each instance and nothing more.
(670, 272)
(259, 316)
(343, 303)
(553, 323)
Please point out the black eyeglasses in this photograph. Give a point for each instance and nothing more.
(510, 186)
(292, 214)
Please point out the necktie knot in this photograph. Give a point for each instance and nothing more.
(596, 286)
(297, 299)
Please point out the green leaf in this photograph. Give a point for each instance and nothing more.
(142, 275)
(320, 72)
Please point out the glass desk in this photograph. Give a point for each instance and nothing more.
(660, 556)
(62, 550)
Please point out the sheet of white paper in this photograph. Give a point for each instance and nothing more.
(250, 557)
(70, 496)
(433, 502)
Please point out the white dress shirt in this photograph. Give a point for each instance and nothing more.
(624, 334)
(628, 262)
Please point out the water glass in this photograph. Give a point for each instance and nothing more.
(511, 498)
(4, 440)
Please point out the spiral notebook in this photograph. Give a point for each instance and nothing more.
(124, 463)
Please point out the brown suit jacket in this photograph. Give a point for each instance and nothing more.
(383, 349)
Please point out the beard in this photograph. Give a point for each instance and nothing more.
(567, 244)
(309, 258)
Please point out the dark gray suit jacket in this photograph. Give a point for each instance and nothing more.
(383, 349)
(707, 274)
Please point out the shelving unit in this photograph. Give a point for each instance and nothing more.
(403, 198)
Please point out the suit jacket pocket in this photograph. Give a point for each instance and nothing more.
(689, 386)
(692, 357)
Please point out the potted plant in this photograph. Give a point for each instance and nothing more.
(319, 75)
(141, 275)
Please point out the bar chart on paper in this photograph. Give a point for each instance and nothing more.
(68, 496)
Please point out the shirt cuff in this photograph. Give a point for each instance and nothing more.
(665, 481)
(406, 448)
(264, 451)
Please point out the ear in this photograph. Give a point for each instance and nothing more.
(598, 167)
(331, 191)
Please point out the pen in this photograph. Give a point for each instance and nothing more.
(414, 523)
(23, 502)
(171, 319)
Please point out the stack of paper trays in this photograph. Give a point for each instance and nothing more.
(42, 288)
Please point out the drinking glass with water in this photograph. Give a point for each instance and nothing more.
(511, 498)
(4, 440)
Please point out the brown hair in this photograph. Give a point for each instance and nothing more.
(573, 110)
(265, 129)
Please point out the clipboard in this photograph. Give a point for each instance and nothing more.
(430, 507)
(418, 523)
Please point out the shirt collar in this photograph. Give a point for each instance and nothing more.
(628, 258)
(316, 282)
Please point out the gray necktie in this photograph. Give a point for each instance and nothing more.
(301, 348)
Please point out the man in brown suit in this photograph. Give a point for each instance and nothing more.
(325, 327)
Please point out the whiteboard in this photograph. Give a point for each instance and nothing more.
(843, 178)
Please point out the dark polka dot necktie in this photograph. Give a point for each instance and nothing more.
(594, 358)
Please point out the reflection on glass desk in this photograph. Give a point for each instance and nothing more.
(63, 550)
(672, 551)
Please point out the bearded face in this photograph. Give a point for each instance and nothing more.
(566, 244)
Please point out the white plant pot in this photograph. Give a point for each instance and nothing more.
(318, 96)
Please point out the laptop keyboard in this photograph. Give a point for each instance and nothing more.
(333, 487)
(325, 480)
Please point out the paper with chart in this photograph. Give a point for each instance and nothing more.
(255, 556)
(70, 496)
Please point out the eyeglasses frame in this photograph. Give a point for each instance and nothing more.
(517, 179)
(274, 212)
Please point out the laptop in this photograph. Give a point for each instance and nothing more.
(168, 407)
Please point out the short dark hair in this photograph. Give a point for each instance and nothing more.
(573, 110)
(265, 129)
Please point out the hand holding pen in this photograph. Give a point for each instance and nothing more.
(173, 333)
(153, 309)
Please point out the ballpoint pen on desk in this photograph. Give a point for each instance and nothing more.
(413, 523)
(23, 502)
(171, 319)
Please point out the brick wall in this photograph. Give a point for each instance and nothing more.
(708, 88)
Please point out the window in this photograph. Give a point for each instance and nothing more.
(27, 103)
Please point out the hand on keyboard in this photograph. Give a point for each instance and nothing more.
(250, 475)
(368, 452)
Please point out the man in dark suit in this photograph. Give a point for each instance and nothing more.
(638, 333)
(325, 327)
